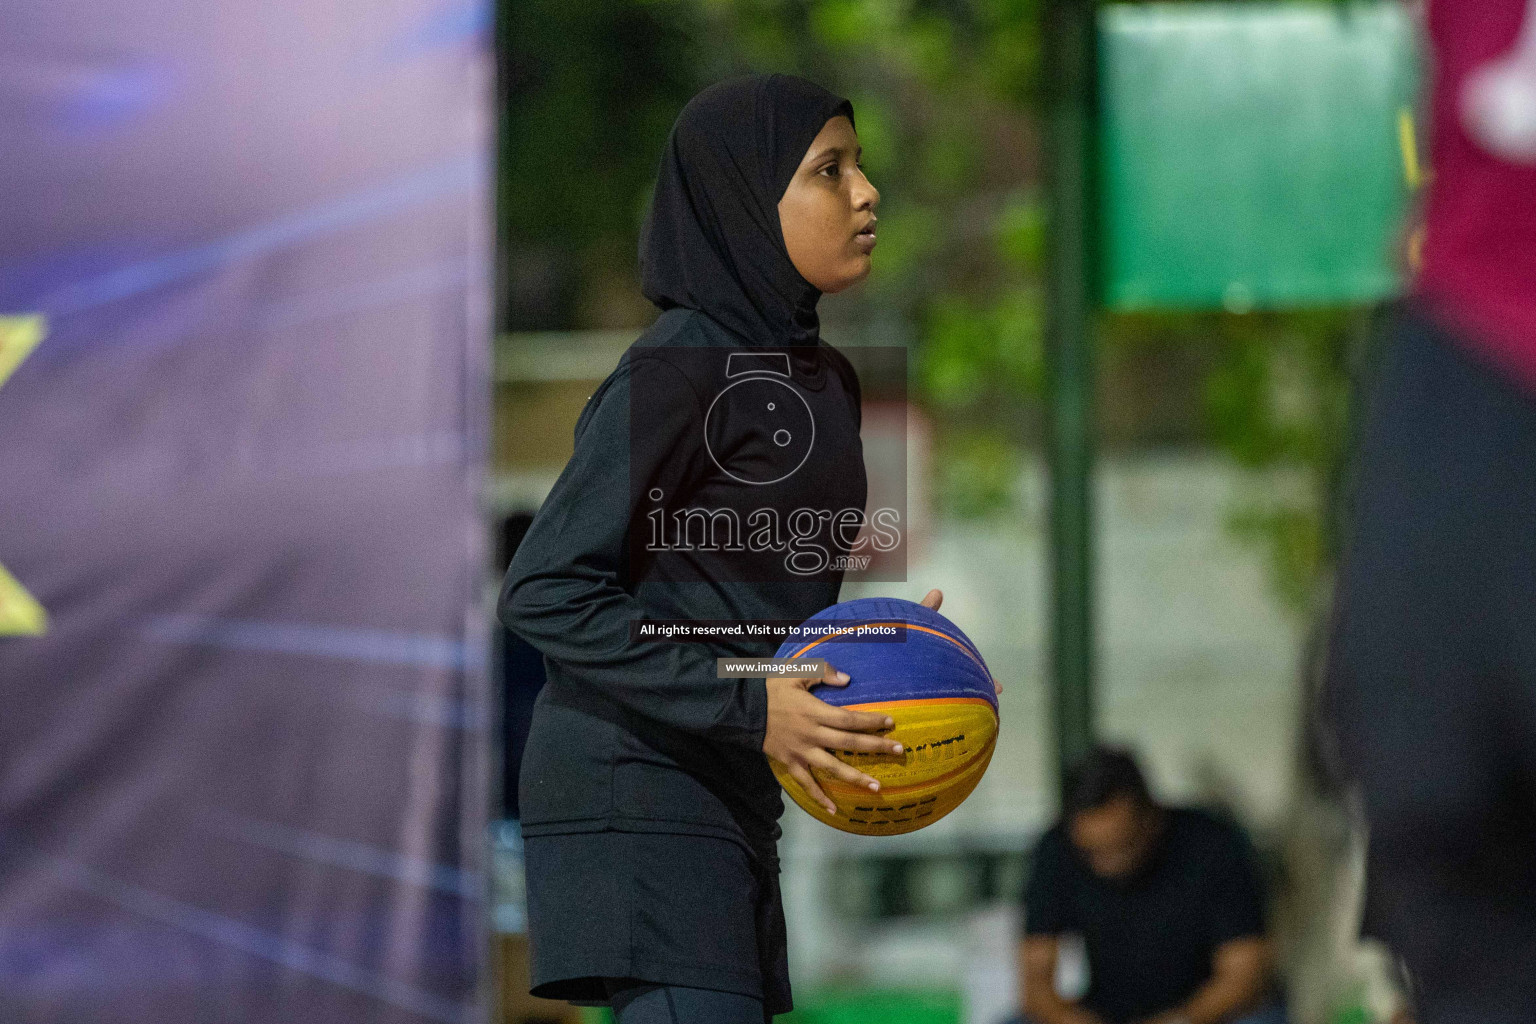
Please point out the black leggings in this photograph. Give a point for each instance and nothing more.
(641, 1002)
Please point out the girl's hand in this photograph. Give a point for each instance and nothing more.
(933, 600)
(801, 726)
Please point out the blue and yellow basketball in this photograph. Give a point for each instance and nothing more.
(918, 667)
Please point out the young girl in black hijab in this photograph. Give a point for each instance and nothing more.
(649, 808)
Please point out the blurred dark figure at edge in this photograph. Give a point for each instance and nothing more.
(1168, 902)
(1431, 678)
(522, 674)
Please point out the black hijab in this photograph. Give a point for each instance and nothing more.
(711, 240)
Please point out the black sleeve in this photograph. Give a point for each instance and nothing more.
(564, 590)
(1047, 909)
(1236, 890)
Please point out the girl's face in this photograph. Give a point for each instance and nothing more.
(828, 211)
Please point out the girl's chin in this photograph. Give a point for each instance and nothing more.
(855, 271)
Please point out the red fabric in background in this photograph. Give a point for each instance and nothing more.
(1479, 264)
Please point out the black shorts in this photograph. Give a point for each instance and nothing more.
(670, 909)
(1432, 671)
(644, 1003)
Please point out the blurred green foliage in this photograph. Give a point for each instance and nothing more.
(946, 99)
(1276, 398)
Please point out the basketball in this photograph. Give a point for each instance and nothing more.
(915, 665)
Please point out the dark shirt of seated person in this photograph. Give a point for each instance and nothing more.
(1168, 901)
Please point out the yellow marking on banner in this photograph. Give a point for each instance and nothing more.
(1407, 138)
(19, 335)
(20, 614)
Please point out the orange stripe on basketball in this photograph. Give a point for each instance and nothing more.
(902, 625)
(919, 700)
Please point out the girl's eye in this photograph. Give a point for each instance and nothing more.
(836, 170)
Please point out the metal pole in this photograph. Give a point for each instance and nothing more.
(1070, 58)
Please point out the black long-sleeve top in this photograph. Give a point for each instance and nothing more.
(641, 735)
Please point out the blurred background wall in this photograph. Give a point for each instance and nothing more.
(244, 378)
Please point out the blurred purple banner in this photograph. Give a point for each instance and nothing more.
(244, 375)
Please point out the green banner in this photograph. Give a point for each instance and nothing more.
(1253, 155)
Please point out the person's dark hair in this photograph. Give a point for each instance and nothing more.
(1104, 774)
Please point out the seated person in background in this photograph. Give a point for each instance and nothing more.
(1168, 901)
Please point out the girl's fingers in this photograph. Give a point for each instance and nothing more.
(853, 721)
(803, 776)
(933, 599)
(842, 770)
(860, 741)
(832, 677)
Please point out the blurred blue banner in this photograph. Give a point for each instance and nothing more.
(244, 348)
